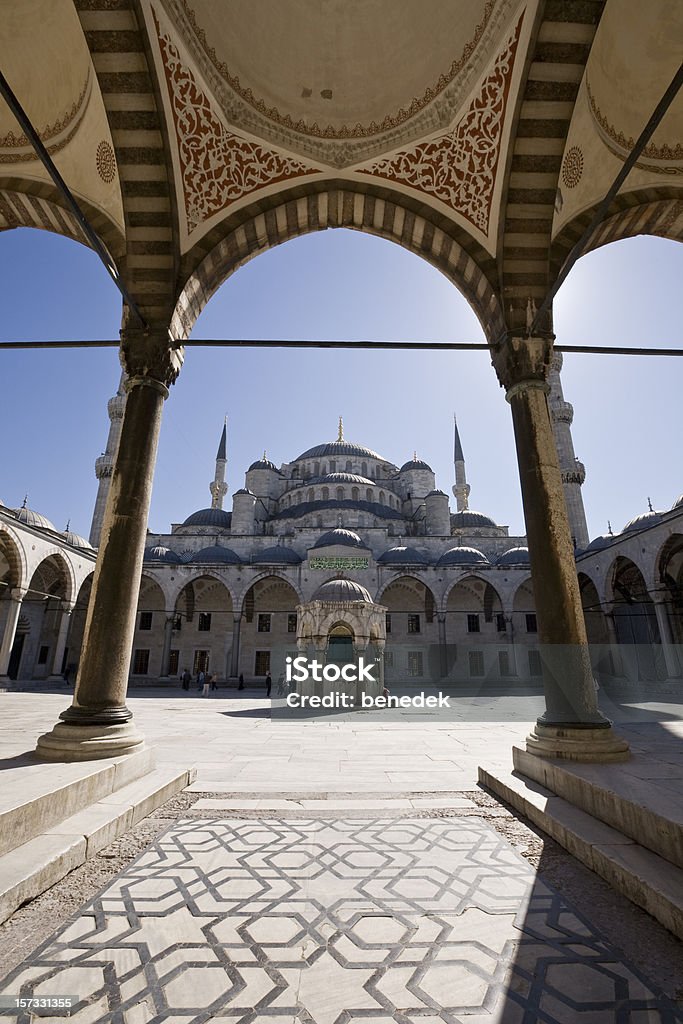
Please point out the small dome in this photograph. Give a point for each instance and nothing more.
(277, 555)
(463, 556)
(600, 542)
(415, 464)
(468, 517)
(404, 556)
(264, 464)
(514, 556)
(641, 522)
(31, 518)
(339, 536)
(209, 517)
(160, 554)
(76, 541)
(333, 448)
(245, 490)
(216, 553)
(342, 590)
(436, 493)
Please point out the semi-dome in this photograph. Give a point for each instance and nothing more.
(161, 554)
(76, 541)
(463, 556)
(600, 542)
(217, 554)
(28, 517)
(401, 555)
(415, 464)
(642, 521)
(468, 517)
(277, 555)
(334, 448)
(339, 536)
(209, 517)
(342, 478)
(342, 590)
(514, 556)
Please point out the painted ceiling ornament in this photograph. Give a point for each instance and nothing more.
(16, 148)
(217, 167)
(105, 161)
(664, 158)
(459, 167)
(572, 167)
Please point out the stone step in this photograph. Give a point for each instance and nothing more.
(650, 881)
(36, 795)
(638, 807)
(33, 867)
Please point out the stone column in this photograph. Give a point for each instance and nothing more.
(673, 669)
(16, 596)
(98, 724)
(166, 650)
(572, 726)
(235, 655)
(66, 609)
(614, 645)
(443, 652)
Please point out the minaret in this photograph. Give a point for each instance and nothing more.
(104, 465)
(461, 489)
(573, 471)
(218, 486)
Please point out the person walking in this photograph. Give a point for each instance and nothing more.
(269, 683)
(206, 684)
(241, 682)
(201, 676)
(213, 685)
(186, 679)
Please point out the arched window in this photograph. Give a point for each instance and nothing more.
(319, 521)
(364, 468)
(382, 497)
(316, 469)
(295, 472)
(340, 494)
(348, 465)
(369, 495)
(333, 466)
(326, 493)
(355, 494)
(311, 494)
(298, 498)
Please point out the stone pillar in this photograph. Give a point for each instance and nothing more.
(16, 596)
(166, 650)
(443, 651)
(673, 669)
(614, 645)
(98, 724)
(572, 726)
(62, 633)
(235, 655)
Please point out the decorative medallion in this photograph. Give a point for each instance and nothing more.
(459, 167)
(572, 167)
(217, 167)
(106, 162)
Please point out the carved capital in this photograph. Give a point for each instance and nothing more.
(150, 354)
(522, 359)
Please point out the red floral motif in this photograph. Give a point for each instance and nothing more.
(459, 167)
(217, 167)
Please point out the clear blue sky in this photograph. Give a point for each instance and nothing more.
(339, 284)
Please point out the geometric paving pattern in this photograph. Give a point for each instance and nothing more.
(331, 922)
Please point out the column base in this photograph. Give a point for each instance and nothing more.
(89, 742)
(577, 743)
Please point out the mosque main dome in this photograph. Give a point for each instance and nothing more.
(332, 448)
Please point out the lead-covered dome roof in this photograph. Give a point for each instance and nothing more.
(29, 517)
(277, 555)
(463, 556)
(514, 556)
(342, 478)
(402, 555)
(76, 541)
(468, 517)
(642, 521)
(332, 448)
(159, 553)
(415, 464)
(342, 590)
(339, 536)
(216, 554)
(264, 464)
(209, 517)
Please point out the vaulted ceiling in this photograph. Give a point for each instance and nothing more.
(478, 133)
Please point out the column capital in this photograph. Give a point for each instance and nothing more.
(519, 360)
(67, 607)
(150, 358)
(17, 593)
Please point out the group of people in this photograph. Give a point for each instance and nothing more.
(206, 682)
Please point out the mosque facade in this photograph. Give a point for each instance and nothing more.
(341, 553)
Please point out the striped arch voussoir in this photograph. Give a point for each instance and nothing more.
(329, 209)
(37, 205)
